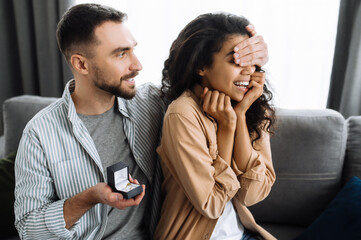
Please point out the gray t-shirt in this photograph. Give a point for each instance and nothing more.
(108, 135)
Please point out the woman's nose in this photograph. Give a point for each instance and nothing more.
(249, 70)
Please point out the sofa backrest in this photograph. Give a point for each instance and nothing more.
(308, 150)
(17, 112)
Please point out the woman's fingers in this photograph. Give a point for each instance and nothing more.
(220, 102)
(206, 100)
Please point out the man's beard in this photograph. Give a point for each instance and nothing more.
(99, 81)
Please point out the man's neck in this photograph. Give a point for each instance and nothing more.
(89, 100)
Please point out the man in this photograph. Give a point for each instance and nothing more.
(61, 189)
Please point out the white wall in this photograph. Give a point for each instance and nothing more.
(300, 35)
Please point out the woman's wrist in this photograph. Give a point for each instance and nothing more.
(227, 126)
(241, 116)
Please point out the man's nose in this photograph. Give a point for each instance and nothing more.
(135, 64)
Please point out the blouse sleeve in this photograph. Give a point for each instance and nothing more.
(257, 180)
(206, 179)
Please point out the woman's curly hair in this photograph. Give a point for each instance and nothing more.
(194, 49)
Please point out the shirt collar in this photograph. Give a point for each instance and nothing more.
(196, 94)
(69, 89)
(122, 107)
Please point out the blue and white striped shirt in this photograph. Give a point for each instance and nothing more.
(57, 159)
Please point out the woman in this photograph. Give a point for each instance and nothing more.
(215, 149)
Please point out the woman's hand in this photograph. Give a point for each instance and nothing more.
(219, 106)
(255, 90)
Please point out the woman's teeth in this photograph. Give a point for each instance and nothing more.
(241, 84)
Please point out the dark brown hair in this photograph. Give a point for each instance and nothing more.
(75, 31)
(194, 49)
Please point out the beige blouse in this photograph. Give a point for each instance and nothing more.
(198, 182)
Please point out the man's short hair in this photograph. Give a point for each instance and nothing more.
(75, 31)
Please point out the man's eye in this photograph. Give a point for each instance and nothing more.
(122, 54)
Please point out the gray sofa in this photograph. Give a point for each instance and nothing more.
(314, 153)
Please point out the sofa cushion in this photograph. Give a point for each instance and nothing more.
(283, 231)
(342, 218)
(308, 150)
(352, 165)
(7, 185)
(17, 112)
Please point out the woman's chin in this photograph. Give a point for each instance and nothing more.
(238, 98)
(235, 101)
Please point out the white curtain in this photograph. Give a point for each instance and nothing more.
(300, 35)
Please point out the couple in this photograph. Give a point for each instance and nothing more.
(215, 149)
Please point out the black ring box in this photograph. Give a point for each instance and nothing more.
(118, 180)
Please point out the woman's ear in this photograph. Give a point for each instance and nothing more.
(202, 72)
(79, 63)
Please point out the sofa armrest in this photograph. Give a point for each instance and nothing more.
(352, 165)
(17, 111)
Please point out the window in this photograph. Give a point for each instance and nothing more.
(300, 35)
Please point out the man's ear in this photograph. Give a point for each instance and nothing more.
(79, 63)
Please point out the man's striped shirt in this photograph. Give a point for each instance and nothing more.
(57, 159)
